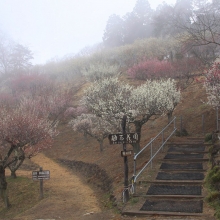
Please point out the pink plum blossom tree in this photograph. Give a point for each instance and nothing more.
(24, 131)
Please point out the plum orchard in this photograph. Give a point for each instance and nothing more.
(110, 99)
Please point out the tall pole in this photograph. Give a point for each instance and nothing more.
(126, 192)
(41, 186)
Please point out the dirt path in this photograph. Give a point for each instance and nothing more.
(68, 198)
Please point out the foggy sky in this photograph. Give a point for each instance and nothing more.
(55, 28)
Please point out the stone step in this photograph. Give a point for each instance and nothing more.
(195, 206)
(184, 156)
(182, 197)
(189, 144)
(182, 170)
(158, 213)
(180, 176)
(182, 167)
(166, 189)
(181, 182)
(195, 160)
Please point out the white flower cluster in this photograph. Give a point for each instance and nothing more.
(99, 71)
(111, 97)
(213, 94)
(92, 125)
(108, 97)
(155, 97)
(212, 85)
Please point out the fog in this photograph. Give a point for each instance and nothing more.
(55, 28)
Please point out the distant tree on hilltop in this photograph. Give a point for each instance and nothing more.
(14, 57)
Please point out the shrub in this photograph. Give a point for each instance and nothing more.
(208, 137)
(151, 69)
(213, 196)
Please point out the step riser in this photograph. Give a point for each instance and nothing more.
(144, 213)
(178, 197)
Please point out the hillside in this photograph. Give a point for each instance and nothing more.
(104, 171)
(72, 146)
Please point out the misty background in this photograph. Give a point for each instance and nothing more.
(52, 29)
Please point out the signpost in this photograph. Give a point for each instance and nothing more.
(126, 153)
(125, 138)
(41, 175)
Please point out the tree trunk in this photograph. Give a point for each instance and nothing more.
(101, 145)
(136, 146)
(3, 187)
(169, 115)
(85, 136)
(13, 174)
(16, 164)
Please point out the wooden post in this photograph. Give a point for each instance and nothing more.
(41, 186)
(181, 125)
(203, 125)
(126, 192)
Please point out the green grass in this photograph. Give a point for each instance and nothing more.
(212, 183)
(133, 200)
(208, 137)
(23, 194)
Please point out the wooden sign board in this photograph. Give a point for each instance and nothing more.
(41, 175)
(129, 138)
(126, 153)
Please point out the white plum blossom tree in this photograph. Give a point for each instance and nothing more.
(212, 85)
(110, 98)
(100, 70)
(96, 127)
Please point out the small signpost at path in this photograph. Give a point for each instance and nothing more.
(125, 138)
(41, 175)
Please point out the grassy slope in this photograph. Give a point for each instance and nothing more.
(20, 198)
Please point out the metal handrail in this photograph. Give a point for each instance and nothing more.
(135, 176)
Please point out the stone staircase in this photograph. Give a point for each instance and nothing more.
(177, 189)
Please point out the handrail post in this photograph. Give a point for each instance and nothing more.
(134, 165)
(151, 153)
(203, 125)
(134, 175)
(174, 123)
(216, 112)
(181, 124)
